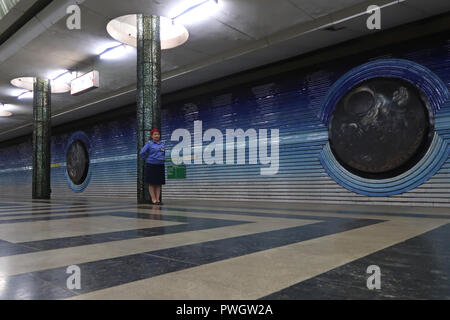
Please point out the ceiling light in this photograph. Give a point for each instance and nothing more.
(16, 92)
(26, 83)
(25, 95)
(124, 30)
(58, 85)
(115, 52)
(198, 10)
(102, 47)
(64, 76)
(4, 112)
(172, 34)
(55, 74)
(63, 80)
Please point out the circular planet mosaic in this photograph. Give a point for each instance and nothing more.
(381, 128)
(77, 162)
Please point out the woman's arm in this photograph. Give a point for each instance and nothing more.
(144, 150)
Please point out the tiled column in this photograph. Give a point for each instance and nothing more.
(41, 138)
(148, 88)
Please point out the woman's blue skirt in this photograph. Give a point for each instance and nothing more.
(154, 174)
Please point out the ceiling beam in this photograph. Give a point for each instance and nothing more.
(24, 19)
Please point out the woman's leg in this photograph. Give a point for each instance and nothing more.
(158, 193)
(151, 189)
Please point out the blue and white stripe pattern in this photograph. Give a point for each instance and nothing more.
(291, 102)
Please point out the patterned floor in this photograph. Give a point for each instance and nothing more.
(220, 250)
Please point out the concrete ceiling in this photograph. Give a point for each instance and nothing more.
(244, 34)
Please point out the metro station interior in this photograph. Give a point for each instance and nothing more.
(306, 149)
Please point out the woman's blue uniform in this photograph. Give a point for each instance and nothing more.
(155, 156)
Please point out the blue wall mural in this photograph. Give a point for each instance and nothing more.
(297, 105)
(438, 96)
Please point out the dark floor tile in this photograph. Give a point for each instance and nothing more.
(27, 287)
(59, 243)
(4, 252)
(50, 218)
(8, 249)
(112, 272)
(308, 212)
(409, 270)
(67, 242)
(208, 252)
(50, 212)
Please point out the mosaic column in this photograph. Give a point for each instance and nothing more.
(148, 89)
(41, 138)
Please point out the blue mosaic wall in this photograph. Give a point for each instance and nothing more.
(292, 103)
(16, 169)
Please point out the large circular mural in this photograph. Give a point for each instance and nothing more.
(381, 128)
(387, 127)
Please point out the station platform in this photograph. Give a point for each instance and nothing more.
(221, 250)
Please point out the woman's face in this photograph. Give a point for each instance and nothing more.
(155, 136)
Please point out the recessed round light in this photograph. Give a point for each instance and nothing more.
(27, 83)
(3, 112)
(124, 29)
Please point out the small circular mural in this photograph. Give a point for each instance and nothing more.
(381, 128)
(78, 171)
(77, 162)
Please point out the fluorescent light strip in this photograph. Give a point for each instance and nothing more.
(62, 74)
(25, 95)
(64, 78)
(192, 8)
(109, 53)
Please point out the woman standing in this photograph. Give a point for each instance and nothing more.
(154, 153)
